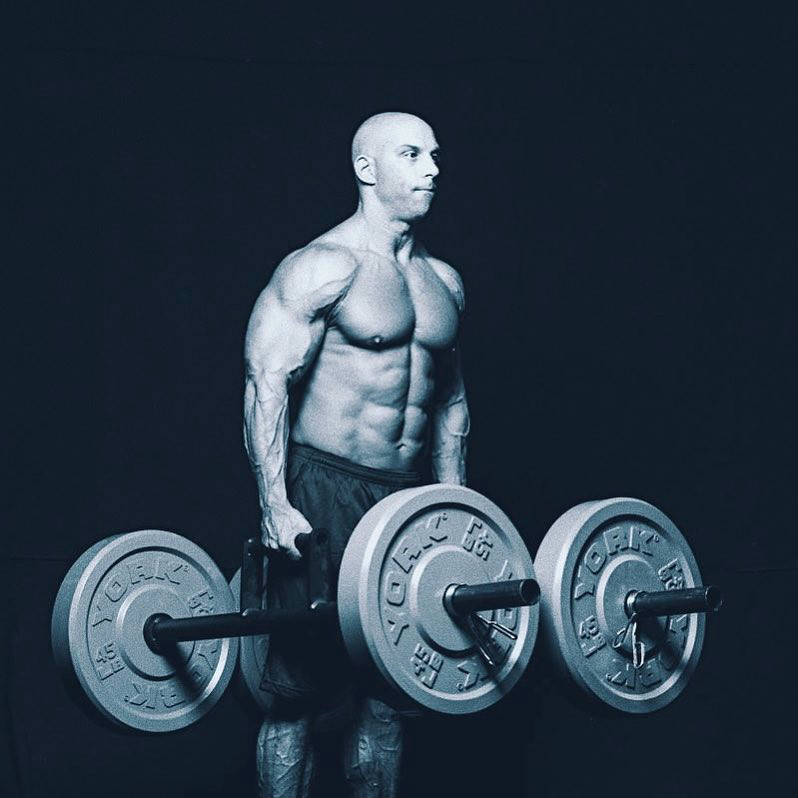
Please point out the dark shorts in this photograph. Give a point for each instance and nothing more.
(311, 667)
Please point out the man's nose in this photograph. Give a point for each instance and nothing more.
(430, 167)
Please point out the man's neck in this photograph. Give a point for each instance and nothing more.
(391, 238)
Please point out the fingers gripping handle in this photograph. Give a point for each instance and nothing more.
(313, 546)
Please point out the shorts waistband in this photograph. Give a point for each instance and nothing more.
(385, 476)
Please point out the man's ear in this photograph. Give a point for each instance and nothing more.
(364, 170)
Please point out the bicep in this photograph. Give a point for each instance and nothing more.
(289, 318)
(281, 341)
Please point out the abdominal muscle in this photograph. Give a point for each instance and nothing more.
(370, 406)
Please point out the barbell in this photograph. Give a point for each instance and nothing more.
(437, 595)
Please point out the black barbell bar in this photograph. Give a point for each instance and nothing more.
(705, 598)
(460, 600)
(162, 632)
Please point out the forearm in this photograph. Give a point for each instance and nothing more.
(450, 427)
(266, 438)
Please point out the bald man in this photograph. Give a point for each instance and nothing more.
(353, 391)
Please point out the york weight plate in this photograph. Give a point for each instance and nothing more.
(400, 559)
(97, 630)
(593, 556)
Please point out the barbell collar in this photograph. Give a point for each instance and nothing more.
(705, 598)
(460, 600)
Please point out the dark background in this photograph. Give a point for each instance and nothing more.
(618, 192)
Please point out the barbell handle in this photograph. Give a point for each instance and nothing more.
(302, 541)
(252, 574)
(252, 569)
(705, 598)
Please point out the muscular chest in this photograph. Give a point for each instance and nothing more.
(386, 306)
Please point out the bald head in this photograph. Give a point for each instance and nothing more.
(382, 129)
(395, 157)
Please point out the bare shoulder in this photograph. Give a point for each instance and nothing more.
(451, 278)
(303, 288)
(315, 272)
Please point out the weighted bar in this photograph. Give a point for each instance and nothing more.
(162, 631)
(461, 600)
(129, 609)
(705, 598)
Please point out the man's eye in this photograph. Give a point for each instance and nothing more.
(410, 154)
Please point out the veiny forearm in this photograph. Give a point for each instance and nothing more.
(450, 427)
(266, 437)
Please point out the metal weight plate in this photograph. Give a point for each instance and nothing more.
(588, 562)
(253, 650)
(403, 554)
(97, 630)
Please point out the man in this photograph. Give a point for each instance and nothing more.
(353, 391)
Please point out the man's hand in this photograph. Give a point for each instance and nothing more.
(279, 528)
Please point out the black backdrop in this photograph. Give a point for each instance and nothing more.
(618, 192)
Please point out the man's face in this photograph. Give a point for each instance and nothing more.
(405, 168)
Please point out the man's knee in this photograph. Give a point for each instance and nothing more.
(284, 756)
(374, 746)
(282, 740)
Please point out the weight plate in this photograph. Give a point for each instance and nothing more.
(590, 559)
(253, 650)
(98, 621)
(403, 554)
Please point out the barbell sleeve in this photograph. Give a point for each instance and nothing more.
(460, 600)
(705, 598)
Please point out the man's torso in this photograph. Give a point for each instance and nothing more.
(370, 392)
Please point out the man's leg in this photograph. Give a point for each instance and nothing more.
(373, 751)
(284, 758)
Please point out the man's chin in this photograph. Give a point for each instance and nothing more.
(419, 211)
(412, 218)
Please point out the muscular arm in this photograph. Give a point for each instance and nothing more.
(450, 425)
(283, 338)
(450, 419)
